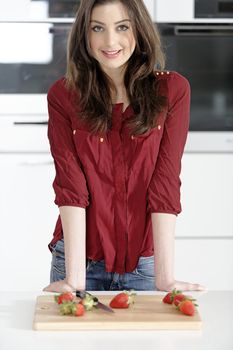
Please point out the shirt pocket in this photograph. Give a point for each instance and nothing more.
(145, 148)
(92, 149)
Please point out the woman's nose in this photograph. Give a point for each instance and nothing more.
(110, 38)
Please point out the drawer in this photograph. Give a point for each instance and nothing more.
(24, 134)
(206, 196)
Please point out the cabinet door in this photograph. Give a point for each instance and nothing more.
(205, 261)
(28, 216)
(206, 196)
(150, 4)
(174, 11)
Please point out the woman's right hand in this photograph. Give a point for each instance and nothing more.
(59, 287)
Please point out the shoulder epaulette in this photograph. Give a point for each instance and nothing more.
(160, 73)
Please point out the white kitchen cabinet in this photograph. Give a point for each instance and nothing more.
(205, 261)
(150, 4)
(26, 133)
(174, 11)
(28, 216)
(13, 10)
(204, 230)
(206, 196)
(181, 11)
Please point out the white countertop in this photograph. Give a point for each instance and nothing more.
(215, 307)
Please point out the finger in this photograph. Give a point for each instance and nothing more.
(53, 287)
(47, 289)
(195, 286)
(179, 285)
(202, 288)
(192, 287)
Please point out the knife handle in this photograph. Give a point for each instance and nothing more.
(80, 293)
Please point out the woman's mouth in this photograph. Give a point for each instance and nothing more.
(111, 53)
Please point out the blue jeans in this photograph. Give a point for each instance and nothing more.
(142, 278)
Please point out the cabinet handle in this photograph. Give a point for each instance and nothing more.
(31, 123)
(60, 29)
(43, 163)
(203, 30)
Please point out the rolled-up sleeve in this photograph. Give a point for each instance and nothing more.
(69, 184)
(164, 187)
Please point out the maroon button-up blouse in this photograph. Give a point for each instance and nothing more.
(119, 179)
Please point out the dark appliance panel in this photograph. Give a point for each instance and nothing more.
(23, 77)
(204, 54)
(213, 9)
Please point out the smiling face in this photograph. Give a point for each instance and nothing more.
(111, 36)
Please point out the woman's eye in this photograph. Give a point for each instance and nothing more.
(122, 28)
(97, 29)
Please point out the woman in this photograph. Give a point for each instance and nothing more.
(117, 131)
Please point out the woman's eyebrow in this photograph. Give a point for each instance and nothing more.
(123, 20)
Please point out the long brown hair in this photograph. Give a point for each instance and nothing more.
(92, 85)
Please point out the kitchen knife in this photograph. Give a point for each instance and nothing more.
(82, 293)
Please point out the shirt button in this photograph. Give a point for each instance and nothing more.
(132, 137)
(74, 132)
(159, 127)
(101, 139)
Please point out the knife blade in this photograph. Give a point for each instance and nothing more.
(104, 307)
(81, 294)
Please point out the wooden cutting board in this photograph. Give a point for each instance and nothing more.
(147, 313)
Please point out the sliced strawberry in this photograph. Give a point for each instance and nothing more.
(123, 300)
(65, 307)
(187, 307)
(89, 302)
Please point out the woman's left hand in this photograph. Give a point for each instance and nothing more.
(182, 286)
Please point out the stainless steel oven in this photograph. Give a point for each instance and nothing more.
(32, 56)
(62, 8)
(203, 52)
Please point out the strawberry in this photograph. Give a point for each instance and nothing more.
(169, 297)
(181, 297)
(187, 307)
(122, 300)
(178, 298)
(77, 309)
(66, 296)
